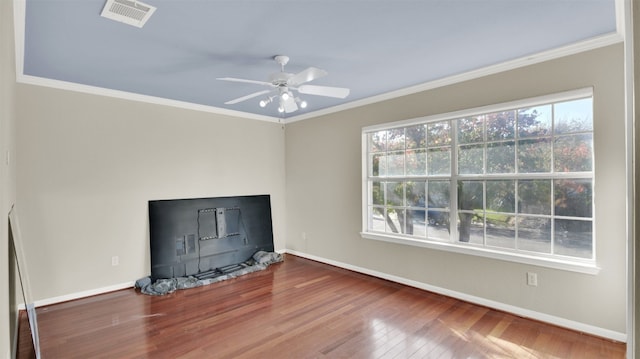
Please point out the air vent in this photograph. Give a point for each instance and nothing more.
(128, 11)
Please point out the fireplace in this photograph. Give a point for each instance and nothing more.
(207, 237)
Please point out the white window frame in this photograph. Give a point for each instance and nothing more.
(588, 266)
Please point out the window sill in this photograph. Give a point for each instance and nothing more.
(580, 267)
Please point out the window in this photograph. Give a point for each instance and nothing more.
(512, 179)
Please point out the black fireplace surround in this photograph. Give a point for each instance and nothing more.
(207, 237)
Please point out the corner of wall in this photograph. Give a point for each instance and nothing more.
(8, 312)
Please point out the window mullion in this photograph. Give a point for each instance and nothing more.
(516, 209)
(553, 215)
(453, 184)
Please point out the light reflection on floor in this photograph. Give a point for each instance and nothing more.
(389, 341)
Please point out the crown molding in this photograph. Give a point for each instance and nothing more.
(19, 13)
(71, 86)
(572, 49)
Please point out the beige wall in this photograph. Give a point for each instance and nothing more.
(88, 165)
(7, 173)
(324, 194)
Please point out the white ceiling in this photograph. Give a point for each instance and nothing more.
(377, 48)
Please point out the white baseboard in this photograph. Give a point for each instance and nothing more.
(79, 295)
(562, 322)
(91, 292)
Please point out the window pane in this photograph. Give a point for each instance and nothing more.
(378, 164)
(501, 125)
(573, 238)
(501, 196)
(416, 162)
(438, 194)
(470, 129)
(438, 218)
(471, 227)
(470, 195)
(439, 161)
(415, 194)
(534, 196)
(501, 230)
(416, 223)
(574, 116)
(378, 141)
(470, 159)
(534, 155)
(439, 133)
(395, 163)
(416, 137)
(573, 153)
(572, 197)
(395, 139)
(395, 220)
(402, 220)
(377, 193)
(470, 214)
(377, 222)
(534, 121)
(395, 193)
(438, 224)
(501, 157)
(534, 234)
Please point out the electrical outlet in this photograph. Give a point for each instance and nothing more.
(304, 236)
(115, 260)
(532, 279)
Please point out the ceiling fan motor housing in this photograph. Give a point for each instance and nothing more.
(280, 78)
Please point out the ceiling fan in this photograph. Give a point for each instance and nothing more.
(282, 84)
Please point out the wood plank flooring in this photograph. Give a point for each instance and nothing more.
(299, 309)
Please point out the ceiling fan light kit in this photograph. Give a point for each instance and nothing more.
(284, 83)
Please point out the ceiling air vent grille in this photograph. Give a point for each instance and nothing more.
(128, 11)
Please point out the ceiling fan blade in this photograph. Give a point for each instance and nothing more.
(243, 98)
(289, 105)
(337, 92)
(233, 79)
(306, 75)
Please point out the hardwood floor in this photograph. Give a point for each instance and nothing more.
(299, 309)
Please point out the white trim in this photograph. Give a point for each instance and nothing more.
(79, 295)
(621, 17)
(605, 333)
(90, 292)
(70, 86)
(523, 312)
(19, 20)
(586, 267)
(511, 105)
(568, 50)
(363, 184)
(624, 17)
